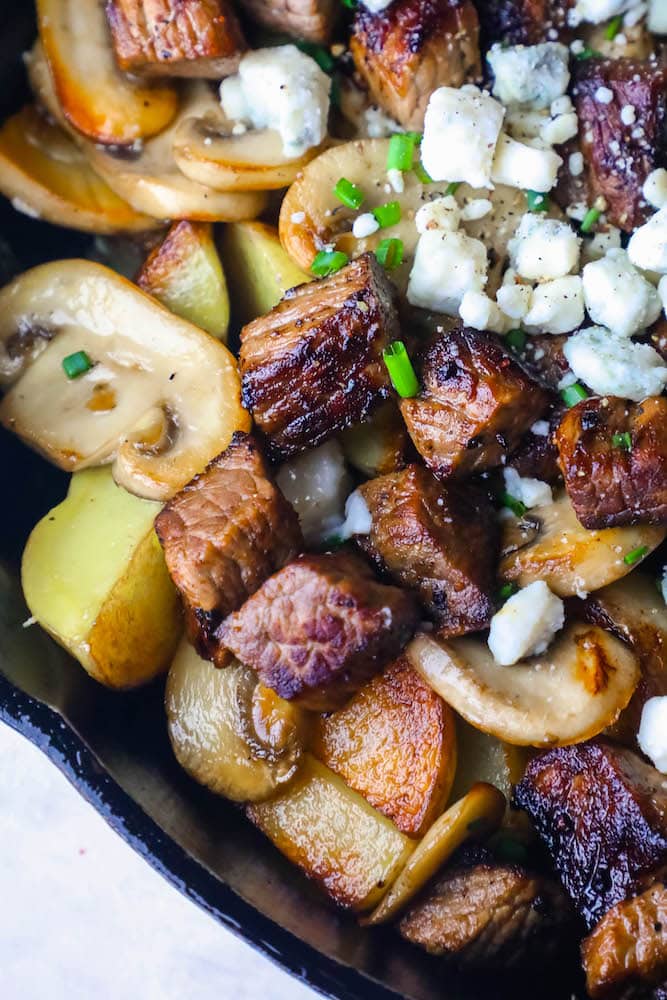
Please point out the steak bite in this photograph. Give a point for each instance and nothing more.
(475, 404)
(313, 365)
(437, 541)
(321, 627)
(613, 455)
(409, 49)
(312, 20)
(199, 38)
(602, 813)
(619, 156)
(523, 22)
(537, 455)
(223, 535)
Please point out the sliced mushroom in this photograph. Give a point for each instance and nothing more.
(161, 399)
(95, 97)
(228, 731)
(44, 174)
(569, 694)
(568, 557)
(477, 815)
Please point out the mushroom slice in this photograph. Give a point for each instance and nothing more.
(44, 174)
(151, 181)
(95, 97)
(567, 695)
(476, 815)
(312, 217)
(161, 399)
(572, 560)
(228, 731)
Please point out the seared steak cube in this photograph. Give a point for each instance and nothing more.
(613, 455)
(320, 628)
(619, 155)
(543, 358)
(523, 22)
(602, 813)
(312, 20)
(313, 365)
(475, 404)
(223, 535)
(199, 38)
(537, 455)
(438, 541)
(411, 48)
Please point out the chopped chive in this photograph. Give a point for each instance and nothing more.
(589, 220)
(322, 56)
(400, 369)
(422, 176)
(623, 440)
(588, 53)
(333, 542)
(390, 253)
(77, 364)
(573, 394)
(334, 94)
(401, 151)
(632, 557)
(516, 339)
(350, 4)
(517, 507)
(349, 193)
(388, 214)
(453, 187)
(613, 28)
(506, 591)
(328, 262)
(537, 201)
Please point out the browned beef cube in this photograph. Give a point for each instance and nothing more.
(320, 628)
(437, 540)
(537, 455)
(626, 953)
(613, 455)
(199, 38)
(223, 535)
(619, 156)
(602, 813)
(543, 358)
(309, 19)
(475, 404)
(409, 49)
(313, 365)
(523, 22)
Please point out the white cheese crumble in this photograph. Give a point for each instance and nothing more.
(521, 166)
(395, 178)
(657, 17)
(556, 306)
(655, 188)
(280, 88)
(575, 164)
(526, 624)
(476, 209)
(652, 735)
(533, 75)
(375, 6)
(461, 129)
(540, 428)
(647, 248)
(617, 296)
(441, 213)
(615, 366)
(482, 313)
(365, 225)
(543, 249)
(601, 243)
(628, 114)
(603, 95)
(531, 492)
(662, 292)
(358, 520)
(514, 300)
(446, 266)
(596, 11)
(316, 483)
(378, 124)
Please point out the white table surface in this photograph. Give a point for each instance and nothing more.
(82, 917)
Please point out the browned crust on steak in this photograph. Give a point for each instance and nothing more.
(312, 20)
(523, 22)
(537, 455)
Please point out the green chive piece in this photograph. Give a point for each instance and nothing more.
(507, 590)
(589, 220)
(334, 94)
(517, 507)
(623, 440)
(349, 193)
(400, 369)
(328, 262)
(573, 394)
(322, 56)
(77, 364)
(613, 28)
(516, 339)
(388, 214)
(422, 176)
(537, 201)
(453, 187)
(401, 151)
(588, 53)
(350, 4)
(632, 557)
(390, 253)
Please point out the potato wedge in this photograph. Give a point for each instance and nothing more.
(161, 399)
(184, 273)
(482, 757)
(228, 731)
(258, 269)
(45, 175)
(379, 445)
(95, 97)
(95, 579)
(568, 557)
(569, 694)
(395, 744)
(475, 816)
(334, 836)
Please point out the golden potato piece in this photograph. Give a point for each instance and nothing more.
(556, 548)
(475, 816)
(95, 97)
(184, 273)
(568, 694)
(95, 579)
(395, 744)
(482, 757)
(334, 836)
(379, 445)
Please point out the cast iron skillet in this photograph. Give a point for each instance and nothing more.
(115, 750)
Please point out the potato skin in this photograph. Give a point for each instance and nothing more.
(395, 744)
